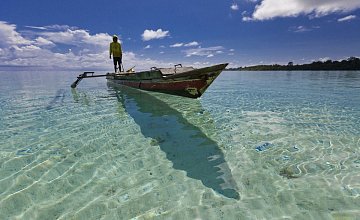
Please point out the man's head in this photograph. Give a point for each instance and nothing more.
(115, 38)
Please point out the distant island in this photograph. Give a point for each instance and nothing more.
(352, 63)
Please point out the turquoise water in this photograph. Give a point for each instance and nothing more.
(257, 145)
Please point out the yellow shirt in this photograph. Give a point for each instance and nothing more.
(115, 49)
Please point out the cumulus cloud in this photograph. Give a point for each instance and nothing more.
(76, 37)
(247, 18)
(147, 47)
(151, 34)
(132, 59)
(206, 51)
(192, 44)
(324, 59)
(177, 45)
(347, 18)
(40, 41)
(56, 47)
(9, 36)
(234, 7)
(37, 51)
(269, 9)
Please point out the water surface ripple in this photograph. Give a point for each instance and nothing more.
(257, 145)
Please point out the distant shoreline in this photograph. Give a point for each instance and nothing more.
(350, 64)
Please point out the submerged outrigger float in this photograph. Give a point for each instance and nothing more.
(181, 81)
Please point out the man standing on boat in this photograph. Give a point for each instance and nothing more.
(116, 52)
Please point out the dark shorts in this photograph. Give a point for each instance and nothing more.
(117, 60)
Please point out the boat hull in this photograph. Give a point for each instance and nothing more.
(190, 84)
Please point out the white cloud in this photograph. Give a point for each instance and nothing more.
(43, 49)
(234, 7)
(147, 47)
(302, 28)
(192, 44)
(131, 59)
(202, 64)
(347, 18)
(36, 27)
(210, 55)
(40, 41)
(57, 27)
(54, 27)
(269, 9)
(247, 18)
(299, 29)
(151, 34)
(324, 59)
(9, 36)
(76, 37)
(203, 51)
(177, 45)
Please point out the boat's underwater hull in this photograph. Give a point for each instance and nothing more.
(190, 84)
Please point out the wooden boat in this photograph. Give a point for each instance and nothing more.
(182, 81)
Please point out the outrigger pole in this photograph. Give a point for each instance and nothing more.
(91, 75)
(85, 75)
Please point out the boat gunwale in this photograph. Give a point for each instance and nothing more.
(194, 72)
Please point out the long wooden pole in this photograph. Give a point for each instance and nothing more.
(85, 75)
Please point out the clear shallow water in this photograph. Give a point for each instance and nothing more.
(257, 145)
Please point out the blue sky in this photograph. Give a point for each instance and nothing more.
(76, 34)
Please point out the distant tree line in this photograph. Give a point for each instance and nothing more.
(352, 63)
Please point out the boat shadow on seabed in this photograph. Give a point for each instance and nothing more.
(185, 145)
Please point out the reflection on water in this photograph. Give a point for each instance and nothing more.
(87, 158)
(80, 97)
(185, 145)
(57, 100)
